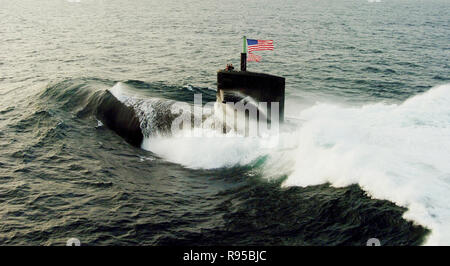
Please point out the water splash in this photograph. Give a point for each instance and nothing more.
(394, 152)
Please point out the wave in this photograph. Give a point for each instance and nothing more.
(133, 109)
(157, 115)
(396, 152)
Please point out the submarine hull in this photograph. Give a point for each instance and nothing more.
(120, 118)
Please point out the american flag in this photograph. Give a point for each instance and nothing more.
(253, 57)
(258, 45)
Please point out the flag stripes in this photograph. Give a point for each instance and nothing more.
(253, 57)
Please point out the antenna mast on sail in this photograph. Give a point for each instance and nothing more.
(244, 55)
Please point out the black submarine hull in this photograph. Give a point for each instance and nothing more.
(120, 118)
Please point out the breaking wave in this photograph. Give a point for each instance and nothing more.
(397, 152)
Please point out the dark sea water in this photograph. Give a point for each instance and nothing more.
(366, 154)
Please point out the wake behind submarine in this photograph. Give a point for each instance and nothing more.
(232, 87)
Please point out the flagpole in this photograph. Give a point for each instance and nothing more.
(244, 55)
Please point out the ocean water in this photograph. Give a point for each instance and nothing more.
(366, 154)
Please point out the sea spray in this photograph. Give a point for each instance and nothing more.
(396, 152)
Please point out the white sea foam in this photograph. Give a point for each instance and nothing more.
(396, 152)
(121, 91)
(206, 152)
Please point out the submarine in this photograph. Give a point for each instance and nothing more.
(232, 87)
